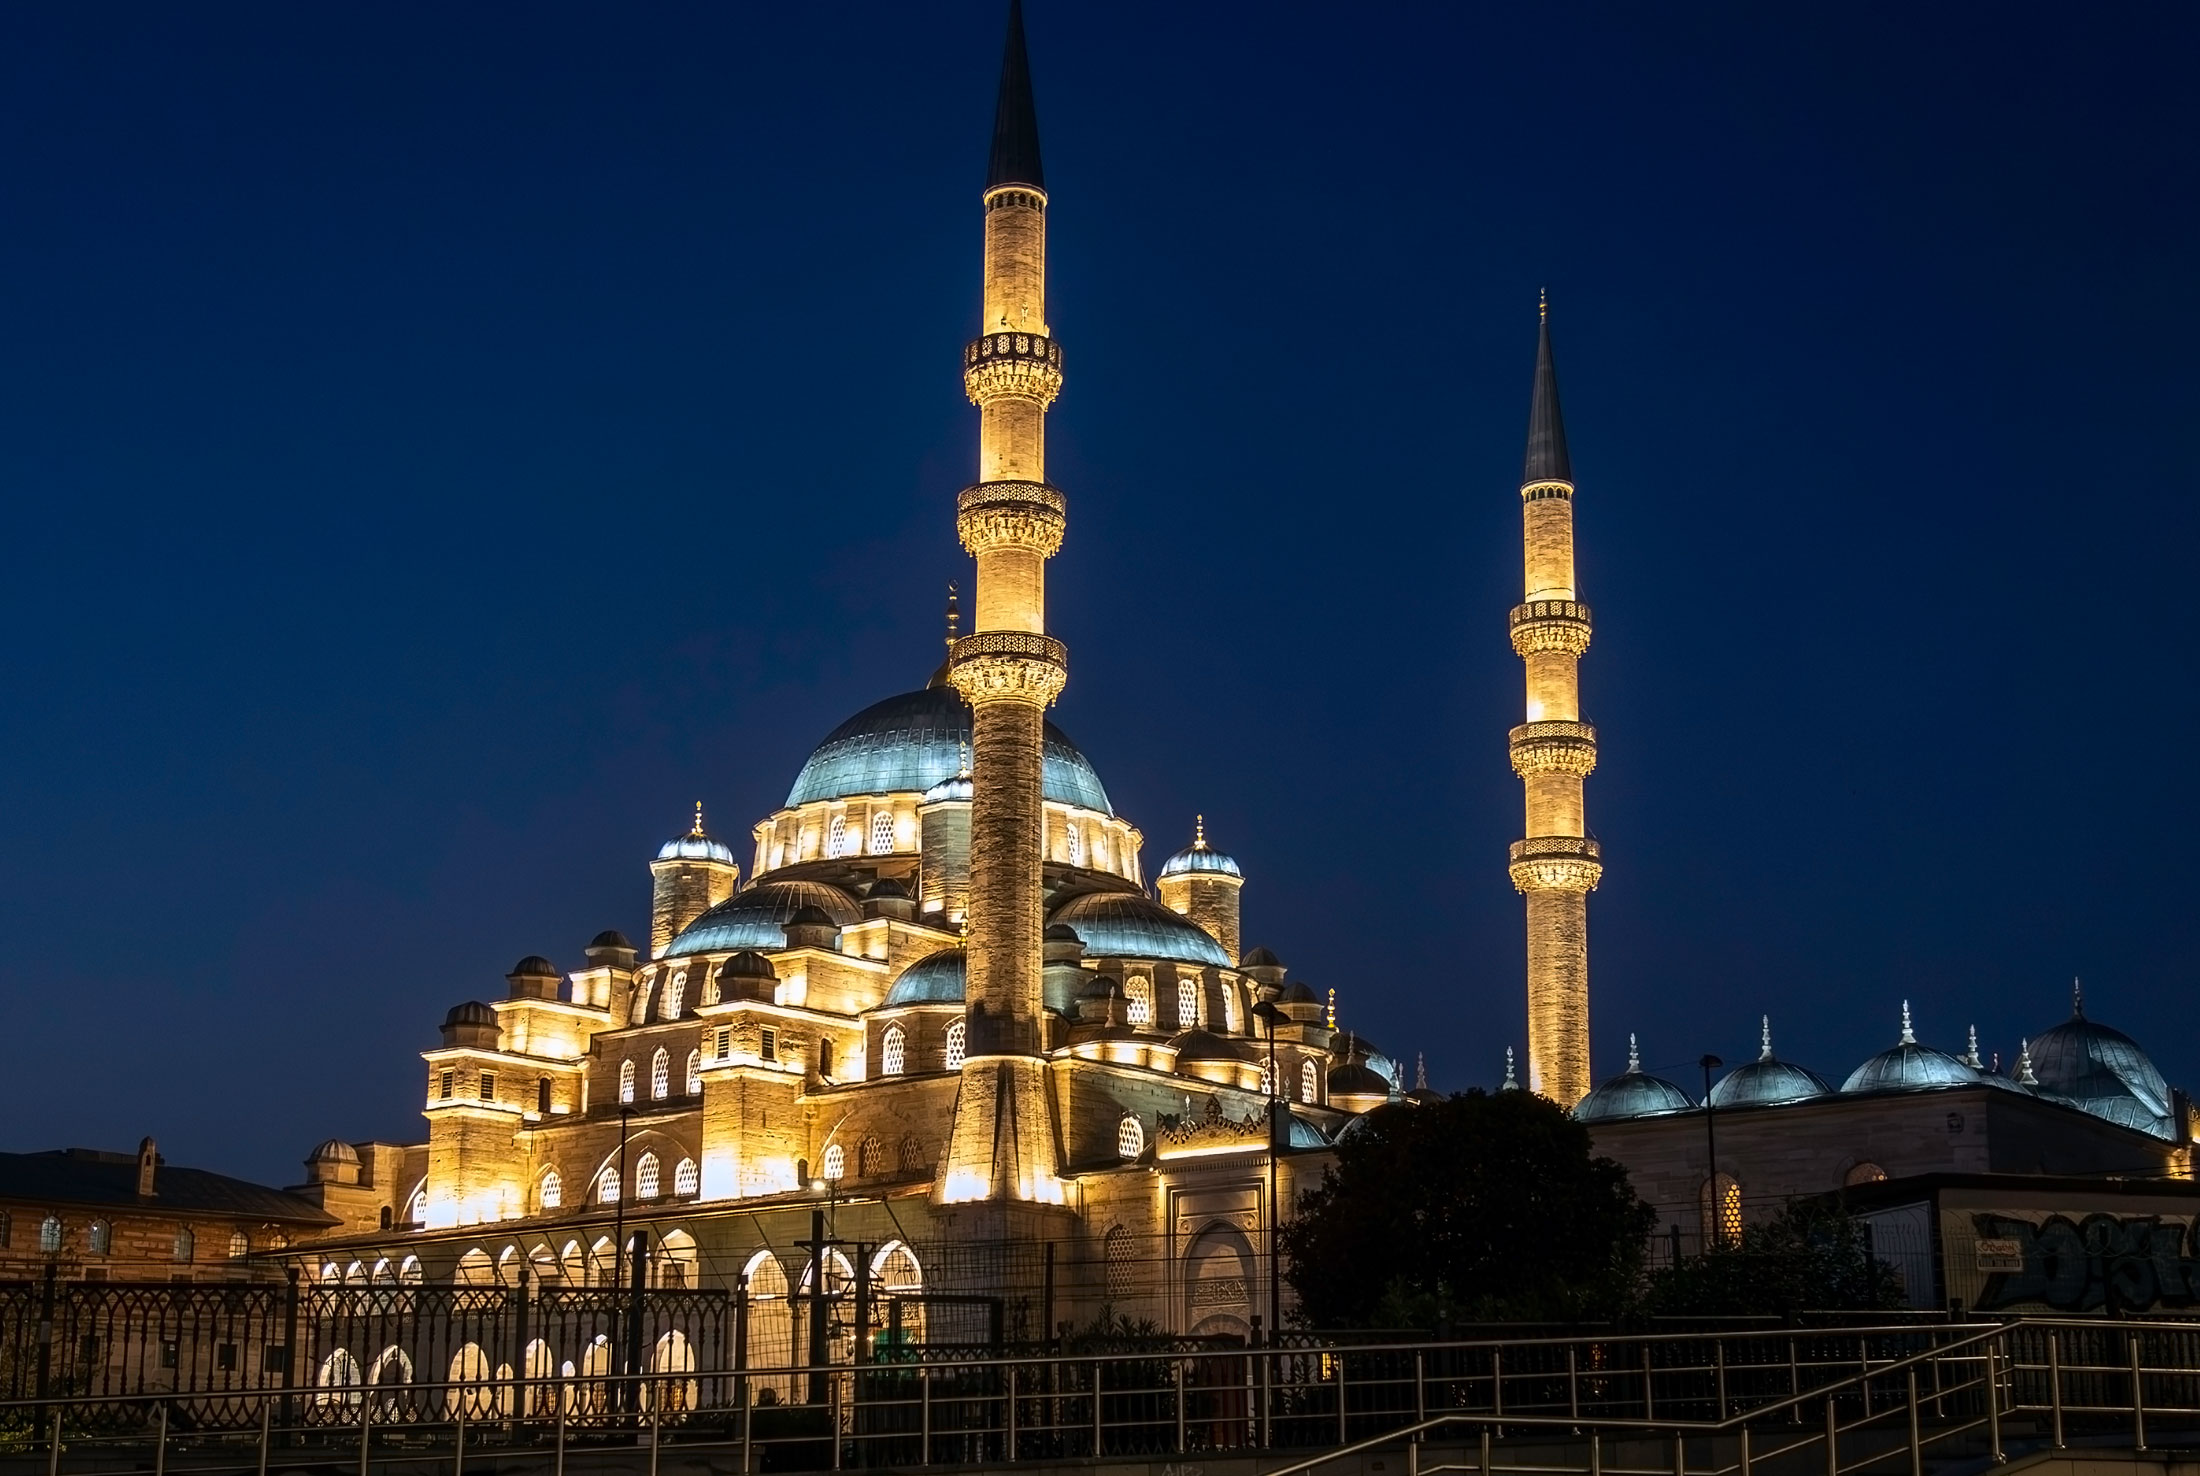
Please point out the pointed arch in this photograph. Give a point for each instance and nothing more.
(660, 1075)
(645, 1177)
(626, 1080)
(882, 833)
(695, 1073)
(956, 1035)
(893, 1052)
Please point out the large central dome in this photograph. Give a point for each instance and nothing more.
(913, 741)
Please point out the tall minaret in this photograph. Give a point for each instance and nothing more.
(1557, 865)
(1003, 1146)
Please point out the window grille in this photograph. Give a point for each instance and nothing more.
(660, 1075)
(1138, 1000)
(447, 1086)
(186, 1245)
(684, 1179)
(836, 1163)
(695, 1074)
(890, 1054)
(488, 1086)
(1130, 1138)
(645, 1177)
(1722, 1210)
(1268, 1078)
(239, 1245)
(49, 1234)
(769, 1046)
(1187, 1004)
(1310, 1082)
(836, 838)
(955, 1046)
(725, 1044)
(882, 833)
(626, 1081)
(553, 1190)
(1076, 847)
(607, 1185)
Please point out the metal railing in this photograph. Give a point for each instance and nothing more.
(1823, 1402)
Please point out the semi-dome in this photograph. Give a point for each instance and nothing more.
(943, 978)
(916, 740)
(1133, 925)
(1632, 1093)
(757, 918)
(1768, 1080)
(2104, 1071)
(1199, 858)
(1907, 1066)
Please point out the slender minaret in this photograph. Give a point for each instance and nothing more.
(1557, 865)
(1003, 1145)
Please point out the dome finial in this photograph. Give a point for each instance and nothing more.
(1971, 1057)
(2077, 999)
(1543, 304)
(1909, 1036)
(1199, 832)
(1634, 1055)
(1332, 1007)
(2025, 1075)
(1764, 1038)
(698, 832)
(1512, 1083)
(962, 766)
(1420, 1071)
(954, 613)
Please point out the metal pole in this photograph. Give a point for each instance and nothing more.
(558, 1462)
(1180, 1406)
(1833, 1440)
(160, 1441)
(1485, 1450)
(1343, 1438)
(1596, 1453)
(1680, 1455)
(1742, 1453)
(1711, 1151)
(924, 1389)
(1649, 1407)
(1573, 1383)
(1917, 1448)
(267, 1412)
(1420, 1382)
(53, 1450)
(1993, 1401)
(366, 1429)
(1096, 1407)
(657, 1426)
(2054, 1383)
(1012, 1411)
(458, 1441)
(2138, 1398)
(1497, 1380)
(1718, 1350)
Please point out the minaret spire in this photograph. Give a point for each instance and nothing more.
(1556, 864)
(1015, 157)
(1003, 1146)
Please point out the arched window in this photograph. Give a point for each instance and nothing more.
(607, 1185)
(185, 1247)
(626, 1081)
(1138, 1000)
(553, 1190)
(416, 1209)
(660, 1074)
(695, 1074)
(645, 1177)
(684, 1177)
(675, 992)
(1310, 1082)
(1119, 1253)
(1187, 1003)
(1076, 846)
(870, 1159)
(49, 1234)
(1267, 1077)
(1722, 1211)
(836, 1163)
(836, 838)
(102, 1238)
(955, 1037)
(882, 833)
(239, 1245)
(1130, 1138)
(1229, 1008)
(1863, 1173)
(891, 1053)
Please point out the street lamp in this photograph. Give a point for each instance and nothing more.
(1267, 1013)
(1711, 1151)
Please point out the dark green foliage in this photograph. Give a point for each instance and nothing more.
(1811, 1257)
(1476, 1208)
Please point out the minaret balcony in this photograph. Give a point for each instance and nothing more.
(1550, 625)
(1012, 366)
(1008, 666)
(1556, 863)
(1553, 748)
(1026, 515)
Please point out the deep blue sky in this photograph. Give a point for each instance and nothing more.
(441, 443)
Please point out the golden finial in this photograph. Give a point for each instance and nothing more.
(1199, 832)
(698, 830)
(954, 612)
(1332, 1009)
(962, 769)
(1543, 304)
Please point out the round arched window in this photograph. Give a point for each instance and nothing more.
(1130, 1137)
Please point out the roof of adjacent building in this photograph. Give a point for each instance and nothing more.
(913, 741)
(92, 1177)
(1015, 157)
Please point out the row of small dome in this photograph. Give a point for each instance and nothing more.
(2080, 1062)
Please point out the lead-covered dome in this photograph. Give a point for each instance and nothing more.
(757, 918)
(1768, 1081)
(943, 978)
(2104, 1071)
(1199, 858)
(1632, 1093)
(914, 741)
(1133, 925)
(1907, 1066)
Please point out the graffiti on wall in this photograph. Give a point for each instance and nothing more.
(2094, 1263)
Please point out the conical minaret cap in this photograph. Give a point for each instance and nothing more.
(1015, 118)
(1547, 460)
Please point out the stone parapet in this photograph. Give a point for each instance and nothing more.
(1026, 515)
(1550, 625)
(1008, 666)
(1556, 863)
(1012, 366)
(1553, 748)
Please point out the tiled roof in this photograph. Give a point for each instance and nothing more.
(83, 1176)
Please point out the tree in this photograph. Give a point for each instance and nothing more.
(1811, 1257)
(1475, 1208)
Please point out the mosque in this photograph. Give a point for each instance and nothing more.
(943, 1007)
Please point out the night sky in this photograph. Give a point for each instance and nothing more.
(442, 443)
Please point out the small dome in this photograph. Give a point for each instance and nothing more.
(1632, 1093)
(747, 964)
(1133, 925)
(756, 917)
(609, 938)
(1061, 933)
(887, 889)
(472, 1012)
(937, 978)
(2103, 1071)
(535, 966)
(1907, 1066)
(1261, 958)
(953, 787)
(1196, 1044)
(1768, 1081)
(811, 917)
(696, 848)
(1199, 858)
(1298, 991)
(335, 1150)
(1355, 1079)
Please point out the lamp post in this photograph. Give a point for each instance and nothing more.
(1267, 1013)
(1711, 1151)
(620, 1391)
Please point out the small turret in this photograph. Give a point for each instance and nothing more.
(534, 977)
(1203, 884)
(943, 844)
(690, 876)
